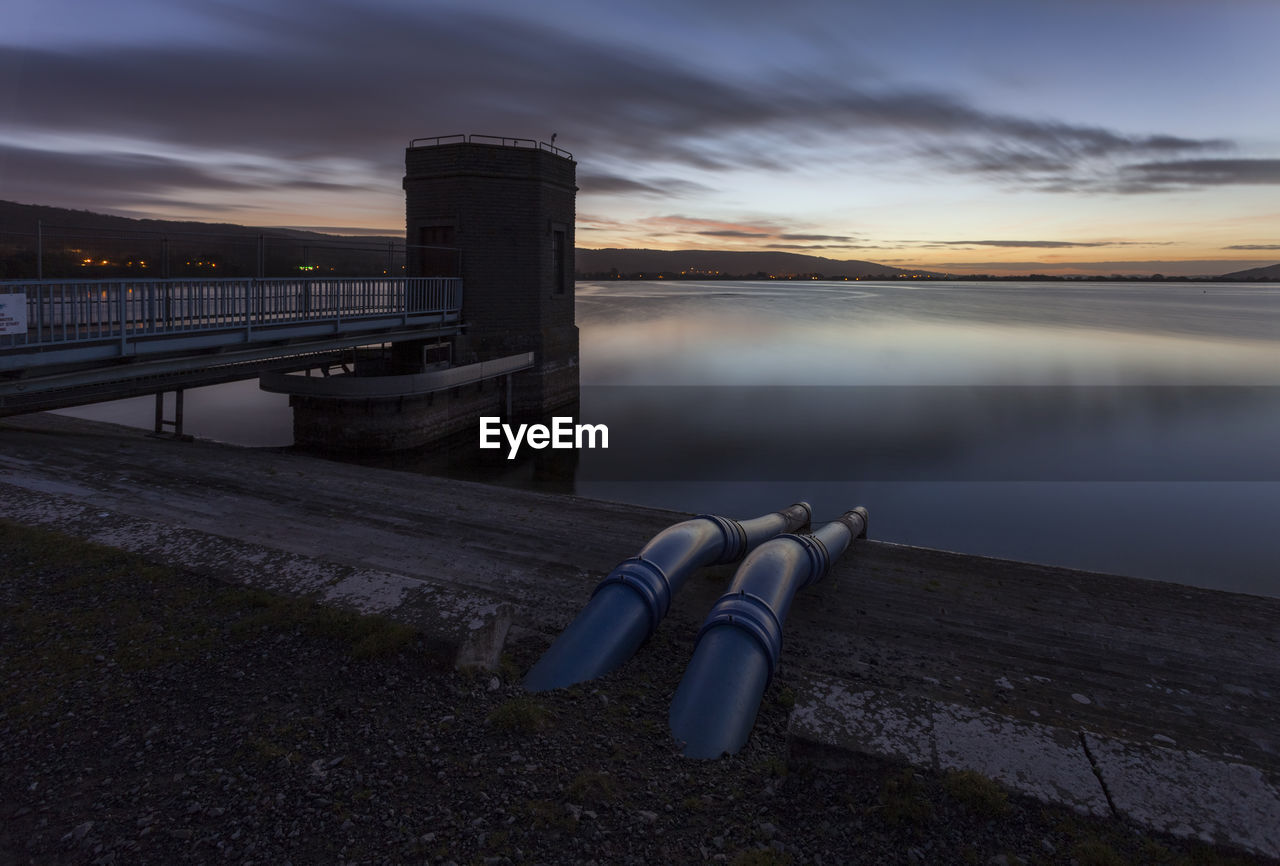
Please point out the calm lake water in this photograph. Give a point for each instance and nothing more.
(1119, 427)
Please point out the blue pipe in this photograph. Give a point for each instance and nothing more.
(715, 705)
(627, 606)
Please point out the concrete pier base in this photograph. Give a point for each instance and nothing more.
(376, 424)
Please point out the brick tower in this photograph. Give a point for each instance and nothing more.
(500, 214)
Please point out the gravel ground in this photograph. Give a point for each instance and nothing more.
(154, 716)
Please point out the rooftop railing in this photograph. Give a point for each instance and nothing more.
(500, 140)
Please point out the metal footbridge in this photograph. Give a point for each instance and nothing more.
(69, 342)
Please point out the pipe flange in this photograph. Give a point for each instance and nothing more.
(752, 614)
(856, 520)
(819, 556)
(735, 538)
(648, 581)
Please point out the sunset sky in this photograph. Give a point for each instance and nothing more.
(1008, 135)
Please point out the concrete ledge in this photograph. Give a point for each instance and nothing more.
(1046, 763)
(1189, 795)
(368, 387)
(1163, 789)
(470, 625)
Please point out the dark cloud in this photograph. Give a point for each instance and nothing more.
(1042, 244)
(1037, 244)
(1192, 173)
(113, 181)
(604, 183)
(733, 233)
(800, 237)
(1253, 247)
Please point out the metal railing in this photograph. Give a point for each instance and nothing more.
(501, 140)
(70, 312)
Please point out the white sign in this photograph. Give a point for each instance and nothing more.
(13, 314)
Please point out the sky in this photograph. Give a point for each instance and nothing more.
(1002, 136)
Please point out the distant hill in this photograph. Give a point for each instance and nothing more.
(83, 244)
(1270, 272)
(598, 263)
(22, 218)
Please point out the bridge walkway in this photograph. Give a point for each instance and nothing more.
(69, 342)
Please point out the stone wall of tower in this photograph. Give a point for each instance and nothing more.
(510, 212)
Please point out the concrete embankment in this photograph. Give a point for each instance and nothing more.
(1156, 702)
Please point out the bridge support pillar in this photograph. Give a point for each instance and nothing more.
(176, 423)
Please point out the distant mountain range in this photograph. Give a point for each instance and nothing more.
(19, 220)
(601, 263)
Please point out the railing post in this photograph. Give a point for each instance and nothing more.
(123, 306)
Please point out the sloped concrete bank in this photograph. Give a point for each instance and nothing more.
(1155, 702)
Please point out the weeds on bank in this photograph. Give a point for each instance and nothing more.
(520, 715)
(761, 857)
(105, 605)
(548, 815)
(367, 636)
(977, 793)
(593, 789)
(903, 801)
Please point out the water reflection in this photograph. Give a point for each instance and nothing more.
(1117, 427)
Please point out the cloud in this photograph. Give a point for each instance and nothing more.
(1160, 176)
(305, 82)
(1253, 247)
(115, 181)
(1046, 244)
(1042, 244)
(787, 236)
(675, 223)
(596, 183)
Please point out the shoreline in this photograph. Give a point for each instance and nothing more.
(1007, 650)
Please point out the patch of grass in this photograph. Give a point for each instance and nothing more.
(49, 549)
(593, 789)
(508, 670)
(497, 841)
(775, 767)
(903, 802)
(761, 857)
(366, 636)
(268, 750)
(100, 605)
(1096, 852)
(1200, 854)
(548, 815)
(786, 698)
(520, 715)
(977, 793)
